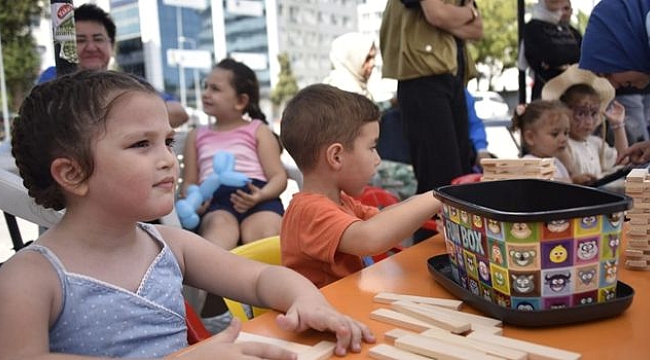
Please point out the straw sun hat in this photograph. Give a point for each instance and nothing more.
(556, 87)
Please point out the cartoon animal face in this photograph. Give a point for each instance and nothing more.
(525, 306)
(470, 264)
(611, 266)
(557, 226)
(610, 294)
(494, 226)
(586, 300)
(486, 294)
(614, 242)
(473, 287)
(477, 221)
(558, 254)
(464, 217)
(499, 279)
(483, 270)
(587, 250)
(586, 276)
(615, 219)
(454, 212)
(497, 257)
(557, 282)
(522, 257)
(523, 283)
(588, 222)
(520, 230)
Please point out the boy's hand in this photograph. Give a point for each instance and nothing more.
(349, 332)
(243, 201)
(223, 346)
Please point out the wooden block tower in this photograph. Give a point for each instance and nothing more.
(526, 168)
(637, 252)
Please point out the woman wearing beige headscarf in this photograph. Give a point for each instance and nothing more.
(353, 59)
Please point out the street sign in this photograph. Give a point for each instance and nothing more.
(191, 59)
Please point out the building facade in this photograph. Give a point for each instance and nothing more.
(150, 33)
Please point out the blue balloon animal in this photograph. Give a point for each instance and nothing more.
(224, 173)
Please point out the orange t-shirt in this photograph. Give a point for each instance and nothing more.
(312, 228)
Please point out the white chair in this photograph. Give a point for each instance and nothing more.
(15, 202)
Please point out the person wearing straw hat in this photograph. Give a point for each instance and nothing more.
(590, 99)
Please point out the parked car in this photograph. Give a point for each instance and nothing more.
(489, 105)
(508, 80)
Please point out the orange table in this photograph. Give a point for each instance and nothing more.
(624, 337)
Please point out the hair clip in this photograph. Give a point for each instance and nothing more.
(520, 109)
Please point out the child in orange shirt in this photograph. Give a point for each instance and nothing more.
(332, 136)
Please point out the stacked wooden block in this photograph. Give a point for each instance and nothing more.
(637, 251)
(428, 328)
(435, 328)
(504, 169)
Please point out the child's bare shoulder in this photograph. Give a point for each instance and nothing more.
(28, 272)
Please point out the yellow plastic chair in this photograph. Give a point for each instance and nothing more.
(265, 250)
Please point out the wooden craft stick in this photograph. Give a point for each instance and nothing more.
(494, 330)
(398, 319)
(503, 352)
(388, 352)
(465, 342)
(388, 297)
(535, 351)
(288, 345)
(439, 350)
(454, 324)
(472, 318)
(321, 351)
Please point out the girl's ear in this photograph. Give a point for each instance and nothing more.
(529, 137)
(333, 155)
(242, 102)
(69, 175)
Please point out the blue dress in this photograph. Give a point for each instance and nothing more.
(101, 319)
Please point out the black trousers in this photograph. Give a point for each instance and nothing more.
(434, 114)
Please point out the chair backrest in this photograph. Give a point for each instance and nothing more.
(16, 201)
(196, 331)
(265, 250)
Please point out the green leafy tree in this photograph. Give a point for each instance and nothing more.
(498, 48)
(20, 57)
(287, 86)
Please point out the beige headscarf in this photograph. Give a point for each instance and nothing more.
(348, 53)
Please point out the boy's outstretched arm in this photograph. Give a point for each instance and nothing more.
(390, 226)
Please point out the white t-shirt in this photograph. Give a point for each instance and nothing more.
(586, 156)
